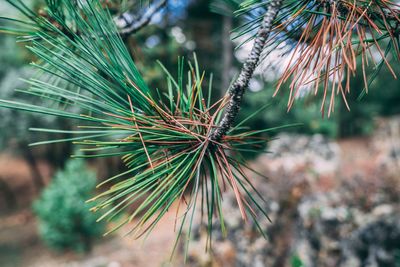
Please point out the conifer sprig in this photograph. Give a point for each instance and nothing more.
(325, 40)
(85, 73)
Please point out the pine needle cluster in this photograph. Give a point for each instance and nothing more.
(324, 41)
(85, 73)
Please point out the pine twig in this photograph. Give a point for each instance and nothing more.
(240, 85)
(129, 25)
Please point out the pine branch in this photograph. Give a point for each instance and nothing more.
(324, 41)
(240, 85)
(87, 75)
(128, 24)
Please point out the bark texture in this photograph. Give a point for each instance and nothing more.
(240, 85)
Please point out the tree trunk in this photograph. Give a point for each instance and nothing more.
(8, 195)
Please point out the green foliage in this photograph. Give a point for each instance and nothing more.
(305, 111)
(65, 221)
(11, 59)
(85, 73)
(296, 261)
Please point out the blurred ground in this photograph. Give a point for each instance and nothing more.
(20, 246)
(332, 204)
(321, 195)
(15, 177)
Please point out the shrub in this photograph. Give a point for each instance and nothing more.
(65, 221)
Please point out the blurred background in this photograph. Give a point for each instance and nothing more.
(332, 194)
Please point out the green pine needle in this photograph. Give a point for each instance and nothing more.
(85, 73)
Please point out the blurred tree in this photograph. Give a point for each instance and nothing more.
(372, 104)
(16, 136)
(9, 198)
(65, 221)
(12, 59)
